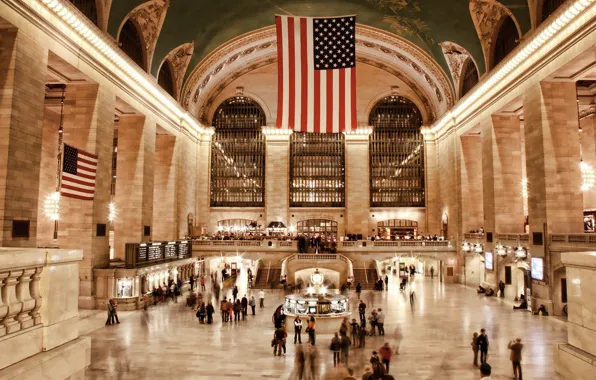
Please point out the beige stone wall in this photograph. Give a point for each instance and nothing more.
(135, 178)
(23, 66)
(357, 185)
(379, 214)
(433, 200)
(186, 183)
(277, 178)
(588, 140)
(164, 193)
(471, 183)
(202, 216)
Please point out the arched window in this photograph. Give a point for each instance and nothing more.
(165, 79)
(507, 40)
(238, 154)
(396, 154)
(317, 170)
(549, 6)
(130, 43)
(88, 8)
(327, 229)
(469, 78)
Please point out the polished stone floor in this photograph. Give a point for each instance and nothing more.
(167, 341)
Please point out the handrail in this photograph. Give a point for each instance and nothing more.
(268, 271)
(365, 274)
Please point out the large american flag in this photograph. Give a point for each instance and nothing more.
(316, 73)
(78, 173)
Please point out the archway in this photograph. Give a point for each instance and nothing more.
(392, 228)
(325, 228)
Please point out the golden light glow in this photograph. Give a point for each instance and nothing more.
(51, 206)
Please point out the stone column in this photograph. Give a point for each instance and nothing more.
(134, 182)
(471, 183)
(23, 66)
(502, 178)
(555, 201)
(164, 194)
(588, 143)
(277, 179)
(187, 180)
(448, 184)
(433, 199)
(357, 184)
(89, 126)
(203, 198)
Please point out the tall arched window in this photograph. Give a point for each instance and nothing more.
(130, 43)
(396, 153)
(238, 154)
(469, 78)
(549, 6)
(506, 41)
(88, 8)
(317, 170)
(165, 79)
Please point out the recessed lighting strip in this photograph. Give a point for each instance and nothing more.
(571, 13)
(113, 54)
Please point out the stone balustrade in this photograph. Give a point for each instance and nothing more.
(39, 311)
(245, 245)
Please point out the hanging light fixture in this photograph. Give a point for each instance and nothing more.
(465, 246)
(500, 250)
(478, 248)
(521, 252)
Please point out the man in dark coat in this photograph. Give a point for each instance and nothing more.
(482, 342)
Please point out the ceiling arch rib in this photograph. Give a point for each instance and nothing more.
(488, 15)
(149, 18)
(179, 59)
(375, 47)
(456, 56)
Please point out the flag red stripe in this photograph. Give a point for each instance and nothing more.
(342, 100)
(65, 179)
(80, 159)
(76, 196)
(76, 188)
(85, 176)
(354, 122)
(280, 72)
(86, 154)
(292, 72)
(86, 169)
(329, 126)
(317, 101)
(304, 76)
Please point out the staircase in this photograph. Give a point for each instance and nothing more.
(360, 277)
(262, 282)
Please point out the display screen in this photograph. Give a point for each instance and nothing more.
(538, 268)
(488, 260)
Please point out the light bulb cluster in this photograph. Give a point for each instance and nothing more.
(588, 176)
(51, 206)
(112, 212)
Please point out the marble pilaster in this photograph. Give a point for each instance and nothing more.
(471, 183)
(186, 182)
(164, 194)
(202, 182)
(357, 184)
(277, 178)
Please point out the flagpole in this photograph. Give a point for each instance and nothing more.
(59, 157)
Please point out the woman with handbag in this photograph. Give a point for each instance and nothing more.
(311, 331)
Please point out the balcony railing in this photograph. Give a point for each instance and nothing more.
(574, 238)
(473, 236)
(513, 237)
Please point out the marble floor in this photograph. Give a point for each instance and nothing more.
(167, 341)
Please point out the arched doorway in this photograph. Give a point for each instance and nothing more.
(393, 228)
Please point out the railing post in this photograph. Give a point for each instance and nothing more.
(365, 274)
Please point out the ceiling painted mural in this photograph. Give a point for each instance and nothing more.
(211, 23)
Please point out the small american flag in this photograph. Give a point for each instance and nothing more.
(78, 173)
(316, 73)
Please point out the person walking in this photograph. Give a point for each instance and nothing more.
(345, 344)
(501, 289)
(209, 310)
(381, 322)
(362, 335)
(475, 348)
(482, 342)
(354, 332)
(235, 293)
(223, 307)
(252, 304)
(230, 306)
(311, 330)
(377, 367)
(516, 349)
(297, 330)
(203, 283)
(386, 353)
(358, 289)
(335, 347)
(192, 283)
(279, 335)
(386, 282)
(244, 304)
(261, 298)
(432, 272)
(362, 311)
(237, 311)
(110, 309)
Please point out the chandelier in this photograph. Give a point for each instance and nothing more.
(500, 250)
(465, 246)
(478, 248)
(521, 252)
(588, 176)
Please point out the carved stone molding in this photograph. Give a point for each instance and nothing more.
(488, 16)
(179, 59)
(376, 47)
(456, 56)
(590, 111)
(149, 18)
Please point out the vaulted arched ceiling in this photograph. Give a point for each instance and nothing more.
(210, 24)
